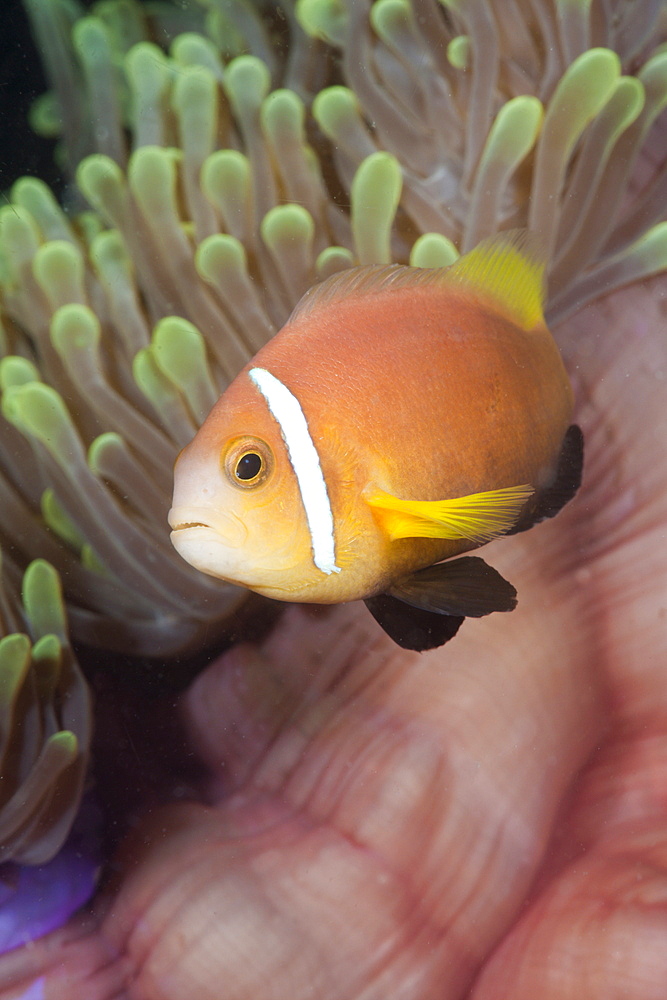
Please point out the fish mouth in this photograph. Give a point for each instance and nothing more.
(229, 529)
(203, 547)
(215, 543)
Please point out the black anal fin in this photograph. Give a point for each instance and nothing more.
(566, 482)
(426, 609)
(410, 627)
(467, 586)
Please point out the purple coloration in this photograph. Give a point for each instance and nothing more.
(35, 901)
(34, 992)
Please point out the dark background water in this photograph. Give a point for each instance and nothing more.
(21, 81)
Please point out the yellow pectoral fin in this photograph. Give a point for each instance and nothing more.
(478, 517)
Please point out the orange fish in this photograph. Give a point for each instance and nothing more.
(401, 416)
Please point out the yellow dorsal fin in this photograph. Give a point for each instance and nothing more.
(478, 517)
(508, 270)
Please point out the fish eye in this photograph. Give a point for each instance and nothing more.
(248, 462)
(248, 466)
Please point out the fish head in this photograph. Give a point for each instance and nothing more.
(236, 512)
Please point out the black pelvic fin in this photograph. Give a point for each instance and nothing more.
(426, 609)
(412, 628)
(566, 482)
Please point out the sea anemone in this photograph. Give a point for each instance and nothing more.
(45, 730)
(225, 184)
(222, 157)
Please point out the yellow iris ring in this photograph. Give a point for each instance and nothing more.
(239, 449)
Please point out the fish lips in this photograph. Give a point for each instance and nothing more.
(208, 540)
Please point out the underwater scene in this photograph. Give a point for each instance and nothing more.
(333, 499)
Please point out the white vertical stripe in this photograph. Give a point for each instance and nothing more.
(286, 409)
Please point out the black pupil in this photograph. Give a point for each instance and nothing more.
(249, 466)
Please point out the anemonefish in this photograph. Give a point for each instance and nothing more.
(402, 416)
